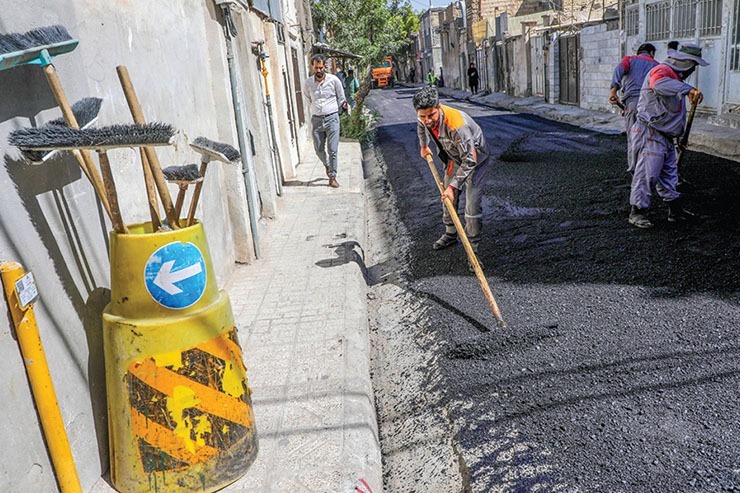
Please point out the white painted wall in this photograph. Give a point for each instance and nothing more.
(600, 53)
(52, 223)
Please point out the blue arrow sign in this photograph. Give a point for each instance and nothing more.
(175, 275)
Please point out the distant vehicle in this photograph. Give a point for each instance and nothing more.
(382, 73)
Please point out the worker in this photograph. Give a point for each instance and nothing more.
(431, 78)
(661, 117)
(462, 146)
(628, 76)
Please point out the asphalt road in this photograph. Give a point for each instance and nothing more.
(619, 370)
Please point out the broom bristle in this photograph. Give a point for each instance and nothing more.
(189, 172)
(35, 38)
(215, 150)
(58, 136)
(85, 111)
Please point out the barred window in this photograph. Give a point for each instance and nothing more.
(632, 20)
(711, 17)
(684, 18)
(657, 21)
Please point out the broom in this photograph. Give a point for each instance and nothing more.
(209, 150)
(86, 113)
(52, 137)
(37, 47)
(183, 177)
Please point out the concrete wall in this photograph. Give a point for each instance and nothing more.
(53, 224)
(600, 53)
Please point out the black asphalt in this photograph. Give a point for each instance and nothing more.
(619, 370)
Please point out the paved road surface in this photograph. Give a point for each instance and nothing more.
(620, 369)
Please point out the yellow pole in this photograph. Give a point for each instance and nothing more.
(34, 358)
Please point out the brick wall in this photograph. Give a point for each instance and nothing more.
(600, 53)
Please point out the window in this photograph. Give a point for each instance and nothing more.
(711, 17)
(678, 19)
(684, 18)
(632, 20)
(657, 22)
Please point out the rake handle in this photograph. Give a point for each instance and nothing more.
(196, 193)
(685, 137)
(151, 156)
(84, 159)
(468, 247)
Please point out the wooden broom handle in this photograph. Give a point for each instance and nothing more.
(84, 159)
(468, 247)
(154, 166)
(196, 193)
(110, 187)
(151, 193)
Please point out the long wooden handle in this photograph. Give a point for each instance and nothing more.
(685, 137)
(110, 188)
(151, 156)
(151, 193)
(180, 199)
(83, 157)
(468, 248)
(196, 193)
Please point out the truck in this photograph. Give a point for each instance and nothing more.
(382, 73)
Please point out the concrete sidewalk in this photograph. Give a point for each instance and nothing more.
(717, 140)
(302, 318)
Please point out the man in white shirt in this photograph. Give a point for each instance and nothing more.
(326, 95)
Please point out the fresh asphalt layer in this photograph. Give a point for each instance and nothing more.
(619, 371)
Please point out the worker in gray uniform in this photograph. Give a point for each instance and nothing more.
(462, 146)
(628, 77)
(661, 118)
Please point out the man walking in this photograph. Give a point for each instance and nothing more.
(628, 77)
(661, 117)
(326, 95)
(462, 146)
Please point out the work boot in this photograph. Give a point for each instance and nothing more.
(677, 214)
(333, 182)
(638, 217)
(446, 240)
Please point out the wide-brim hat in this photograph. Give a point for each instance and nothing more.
(688, 52)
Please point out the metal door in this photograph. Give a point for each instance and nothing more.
(732, 82)
(538, 66)
(298, 84)
(569, 79)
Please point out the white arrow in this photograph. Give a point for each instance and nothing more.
(166, 279)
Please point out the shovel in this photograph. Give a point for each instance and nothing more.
(468, 248)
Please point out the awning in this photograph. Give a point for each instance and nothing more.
(327, 50)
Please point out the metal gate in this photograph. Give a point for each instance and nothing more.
(733, 70)
(569, 78)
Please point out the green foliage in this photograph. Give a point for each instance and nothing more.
(372, 29)
(360, 124)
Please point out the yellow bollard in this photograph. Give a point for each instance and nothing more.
(179, 407)
(42, 387)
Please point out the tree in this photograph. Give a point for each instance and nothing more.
(372, 29)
